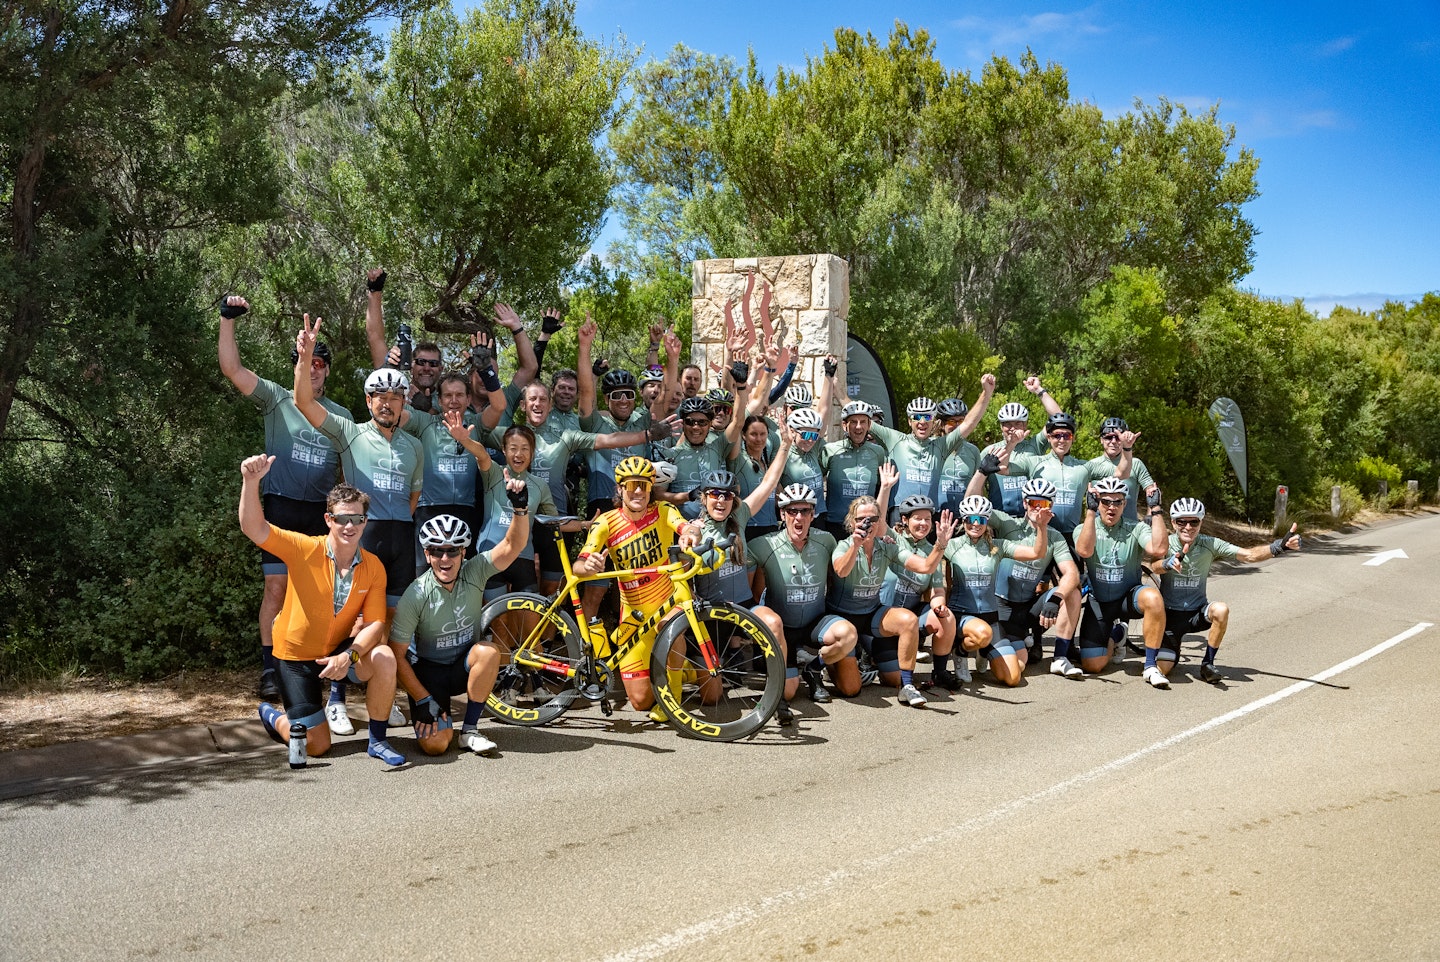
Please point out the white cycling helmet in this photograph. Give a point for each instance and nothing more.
(854, 409)
(799, 396)
(444, 529)
(1187, 508)
(387, 380)
(975, 504)
(1111, 485)
(1038, 488)
(1013, 412)
(921, 405)
(804, 419)
(664, 472)
(795, 494)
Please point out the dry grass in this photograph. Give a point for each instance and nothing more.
(70, 709)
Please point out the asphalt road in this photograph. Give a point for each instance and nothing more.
(1268, 817)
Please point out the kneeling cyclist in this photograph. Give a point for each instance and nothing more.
(916, 583)
(1182, 584)
(433, 635)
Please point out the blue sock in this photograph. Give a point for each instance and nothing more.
(473, 711)
(1150, 655)
(269, 715)
(907, 677)
(1062, 647)
(1209, 658)
(337, 692)
(377, 730)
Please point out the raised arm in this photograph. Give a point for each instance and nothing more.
(1290, 541)
(1126, 464)
(829, 398)
(1032, 384)
(311, 408)
(375, 316)
(584, 375)
(1085, 534)
(244, 379)
(519, 532)
(464, 436)
(982, 403)
(1040, 521)
(527, 366)
(944, 531)
(1159, 533)
(767, 484)
(252, 515)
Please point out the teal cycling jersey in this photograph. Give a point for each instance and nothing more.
(749, 472)
(1135, 485)
(919, 463)
(499, 514)
(437, 624)
(1004, 489)
(553, 446)
(1016, 581)
(803, 467)
(795, 580)
(955, 476)
(731, 581)
(972, 567)
(1071, 478)
(389, 470)
(1115, 566)
(600, 462)
(908, 589)
(858, 593)
(450, 470)
(1184, 590)
(305, 459)
(850, 472)
(693, 462)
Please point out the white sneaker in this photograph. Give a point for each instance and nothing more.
(1062, 666)
(397, 717)
(338, 718)
(1156, 678)
(476, 742)
(910, 695)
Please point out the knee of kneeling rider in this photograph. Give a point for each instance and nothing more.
(1150, 602)
(1219, 613)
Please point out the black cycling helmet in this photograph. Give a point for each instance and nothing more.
(618, 381)
(1062, 420)
(696, 405)
(1113, 426)
(718, 479)
(322, 351)
(951, 407)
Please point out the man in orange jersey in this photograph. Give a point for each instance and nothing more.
(332, 582)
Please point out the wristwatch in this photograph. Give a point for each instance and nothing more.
(354, 656)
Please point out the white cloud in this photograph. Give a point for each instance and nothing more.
(1253, 123)
(1337, 46)
(987, 35)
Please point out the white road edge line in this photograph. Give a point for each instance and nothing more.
(708, 928)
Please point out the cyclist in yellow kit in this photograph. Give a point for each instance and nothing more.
(637, 534)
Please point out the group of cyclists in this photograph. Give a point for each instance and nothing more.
(865, 556)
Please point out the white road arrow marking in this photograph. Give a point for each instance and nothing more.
(1385, 556)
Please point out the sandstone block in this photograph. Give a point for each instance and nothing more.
(792, 284)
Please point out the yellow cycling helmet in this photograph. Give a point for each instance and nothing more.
(634, 469)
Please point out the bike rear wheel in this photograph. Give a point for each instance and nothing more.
(739, 695)
(525, 694)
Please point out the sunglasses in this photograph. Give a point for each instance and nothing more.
(1109, 437)
(1187, 522)
(809, 435)
(922, 418)
(977, 519)
(799, 511)
(446, 551)
(720, 494)
(1037, 503)
(696, 422)
(621, 395)
(634, 485)
(344, 519)
(318, 364)
(1061, 435)
(425, 362)
(1112, 502)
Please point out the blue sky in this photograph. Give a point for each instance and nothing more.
(1341, 102)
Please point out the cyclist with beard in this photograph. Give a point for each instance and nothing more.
(852, 464)
(1112, 433)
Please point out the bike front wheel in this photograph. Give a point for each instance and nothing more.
(722, 685)
(537, 648)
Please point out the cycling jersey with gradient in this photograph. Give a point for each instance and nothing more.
(450, 470)
(803, 467)
(553, 446)
(1135, 485)
(750, 472)
(1004, 489)
(693, 462)
(305, 459)
(795, 580)
(1184, 590)
(955, 476)
(642, 543)
(600, 462)
(973, 566)
(499, 514)
(388, 470)
(1114, 568)
(850, 472)
(437, 624)
(904, 588)
(731, 581)
(858, 593)
(1016, 581)
(1071, 478)
(919, 463)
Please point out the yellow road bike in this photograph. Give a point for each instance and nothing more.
(716, 670)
